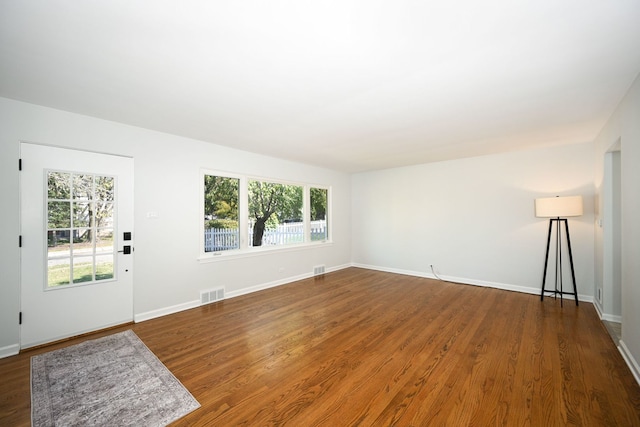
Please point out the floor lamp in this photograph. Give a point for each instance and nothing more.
(557, 209)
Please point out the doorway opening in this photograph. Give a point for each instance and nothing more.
(611, 298)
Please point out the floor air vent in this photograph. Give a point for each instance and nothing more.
(318, 270)
(211, 295)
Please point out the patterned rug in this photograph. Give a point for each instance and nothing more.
(115, 380)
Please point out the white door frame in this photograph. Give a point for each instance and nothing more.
(611, 303)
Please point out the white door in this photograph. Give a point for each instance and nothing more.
(76, 213)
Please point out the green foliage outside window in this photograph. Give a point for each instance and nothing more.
(275, 213)
(271, 204)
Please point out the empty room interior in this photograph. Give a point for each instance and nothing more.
(329, 213)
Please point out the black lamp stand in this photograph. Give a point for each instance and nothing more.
(558, 285)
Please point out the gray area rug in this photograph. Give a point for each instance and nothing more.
(115, 380)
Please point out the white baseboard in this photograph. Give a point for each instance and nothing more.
(394, 270)
(280, 282)
(141, 317)
(611, 318)
(598, 308)
(604, 316)
(9, 350)
(465, 281)
(263, 286)
(631, 362)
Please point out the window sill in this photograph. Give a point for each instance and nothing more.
(260, 251)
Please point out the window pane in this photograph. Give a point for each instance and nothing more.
(103, 214)
(221, 225)
(318, 213)
(82, 214)
(59, 272)
(275, 213)
(58, 240)
(59, 185)
(104, 188)
(83, 187)
(82, 269)
(104, 241)
(104, 267)
(58, 215)
(83, 242)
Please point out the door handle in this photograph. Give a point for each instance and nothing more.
(126, 250)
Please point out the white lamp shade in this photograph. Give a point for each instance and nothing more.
(559, 207)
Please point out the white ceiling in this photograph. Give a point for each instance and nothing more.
(351, 85)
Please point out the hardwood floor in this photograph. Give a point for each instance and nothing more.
(360, 347)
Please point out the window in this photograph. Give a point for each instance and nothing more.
(241, 213)
(275, 213)
(80, 245)
(221, 202)
(319, 198)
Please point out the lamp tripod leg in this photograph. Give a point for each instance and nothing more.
(546, 261)
(573, 273)
(559, 261)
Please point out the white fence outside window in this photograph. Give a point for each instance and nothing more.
(222, 239)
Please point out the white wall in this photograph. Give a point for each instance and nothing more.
(167, 274)
(624, 126)
(473, 219)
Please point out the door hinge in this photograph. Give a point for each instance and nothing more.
(19, 164)
(20, 318)
(20, 241)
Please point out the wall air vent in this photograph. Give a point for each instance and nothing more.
(318, 270)
(211, 295)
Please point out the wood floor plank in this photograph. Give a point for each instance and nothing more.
(363, 348)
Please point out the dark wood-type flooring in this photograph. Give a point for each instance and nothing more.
(360, 347)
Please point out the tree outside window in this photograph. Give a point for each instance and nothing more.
(221, 202)
(240, 213)
(318, 213)
(80, 213)
(275, 207)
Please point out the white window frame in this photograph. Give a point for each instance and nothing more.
(94, 228)
(243, 220)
